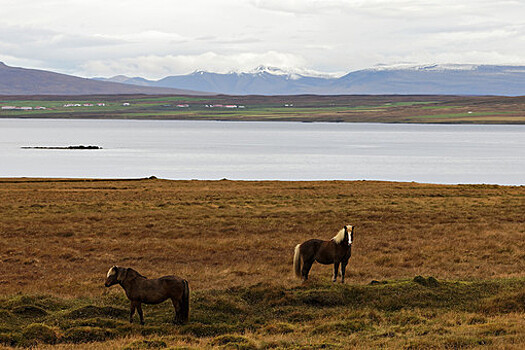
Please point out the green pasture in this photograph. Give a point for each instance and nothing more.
(418, 313)
(260, 108)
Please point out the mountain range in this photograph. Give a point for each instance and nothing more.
(22, 81)
(451, 79)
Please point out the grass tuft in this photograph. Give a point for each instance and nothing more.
(39, 333)
(92, 311)
(230, 341)
(279, 328)
(29, 311)
(88, 334)
(207, 330)
(145, 344)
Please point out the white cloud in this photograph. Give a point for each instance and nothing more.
(156, 67)
(163, 37)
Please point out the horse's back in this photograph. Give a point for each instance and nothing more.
(312, 243)
(173, 282)
(309, 248)
(172, 278)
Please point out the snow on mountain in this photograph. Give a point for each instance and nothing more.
(405, 78)
(426, 67)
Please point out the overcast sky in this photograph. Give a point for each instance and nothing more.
(156, 38)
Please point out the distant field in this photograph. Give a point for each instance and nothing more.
(234, 241)
(305, 108)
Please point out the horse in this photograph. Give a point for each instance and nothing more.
(140, 289)
(335, 251)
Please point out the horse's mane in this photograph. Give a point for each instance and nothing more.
(134, 273)
(112, 271)
(338, 238)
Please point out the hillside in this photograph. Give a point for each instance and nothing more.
(401, 79)
(435, 79)
(21, 81)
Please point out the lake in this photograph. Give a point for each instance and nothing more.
(493, 154)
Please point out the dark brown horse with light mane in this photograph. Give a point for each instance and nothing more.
(140, 289)
(335, 251)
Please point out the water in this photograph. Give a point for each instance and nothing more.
(492, 154)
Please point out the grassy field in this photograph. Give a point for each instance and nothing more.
(433, 266)
(305, 108)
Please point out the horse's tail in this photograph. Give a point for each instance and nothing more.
(185, 303)
(297, 260)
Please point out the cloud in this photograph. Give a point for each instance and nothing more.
(22, 37)
(155, 67)
(162, 37)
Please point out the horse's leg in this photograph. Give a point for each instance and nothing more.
(307, 265)
(176, 306)
(343, 270)
(139, 310)
(336, 270)
(131, 312)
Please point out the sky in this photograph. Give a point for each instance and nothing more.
(157, 38)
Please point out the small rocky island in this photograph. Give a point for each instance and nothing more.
(82, 147)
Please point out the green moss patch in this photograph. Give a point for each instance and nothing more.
(40, 333)
(92, 311)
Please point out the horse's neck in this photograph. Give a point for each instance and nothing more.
(131, 278)
(343, 243)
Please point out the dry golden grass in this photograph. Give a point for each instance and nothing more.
(234, 242)
(62, 236)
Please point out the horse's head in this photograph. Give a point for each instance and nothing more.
(349, 233)
(114, 276)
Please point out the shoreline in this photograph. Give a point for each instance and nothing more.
(262, 120)
(23, 179)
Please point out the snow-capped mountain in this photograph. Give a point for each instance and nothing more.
(454, 79)
(262, 80)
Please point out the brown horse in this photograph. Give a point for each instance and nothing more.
(335, 251)
(140, 290)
